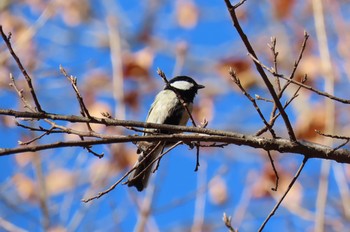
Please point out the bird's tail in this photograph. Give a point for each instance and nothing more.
(140, 176)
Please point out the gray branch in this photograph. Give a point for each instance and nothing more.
(307, 149)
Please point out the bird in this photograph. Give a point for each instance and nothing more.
(167, 108)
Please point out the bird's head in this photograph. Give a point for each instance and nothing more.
(185, 86)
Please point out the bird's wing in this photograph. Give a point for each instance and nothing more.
(165, 101)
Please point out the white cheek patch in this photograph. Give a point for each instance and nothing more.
(182, 85)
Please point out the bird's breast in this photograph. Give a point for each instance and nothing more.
(168, 109)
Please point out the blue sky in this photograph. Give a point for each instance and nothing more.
(213, 39)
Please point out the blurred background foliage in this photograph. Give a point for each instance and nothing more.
(114, 48)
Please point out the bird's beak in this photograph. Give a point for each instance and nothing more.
(200, 86)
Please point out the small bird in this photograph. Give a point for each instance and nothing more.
(166, 109)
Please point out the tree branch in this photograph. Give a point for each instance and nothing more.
(308, 149)
(23, 70)
(285, 193)
(232, 11)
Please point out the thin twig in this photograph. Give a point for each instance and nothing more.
(332, 136)
(20, 94)
(52, 130)
(285, 86)
(341, 145)
(73, 80)
(100, 156)
(232, 11)
(296, 64)
(227, 221)
(204, 124)
(347, 139)
(272, 46)
(100, 194)
(36, 138)
(274, 118)
(150, 152)
(197, 158)
(54, 126)
(274, 170)
(285, 193)
(23, 70)
(319, 92)
(302, 49)
(235, 79)
(258, 97)
(88, 148)
(83, 109)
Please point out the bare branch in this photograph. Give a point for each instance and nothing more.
(252, 100)
(73, 80)
(20, 94)
(100, 194)
(232, 11)
(274, 170)
(308, 149)
(332, 136)
(274, 118)
(272, 46)
(36, 138)
(285, 194)
(296, 63)
(197, 158)
(258, 97)
(319, 92)
(23, 70)
(227, 221)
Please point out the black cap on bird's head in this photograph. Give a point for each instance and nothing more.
(185, 86)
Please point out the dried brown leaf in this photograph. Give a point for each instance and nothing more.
(24, 159)
(243, 70)
(25, 186)
(131, 99)
(187, 14)
(59, 181)
(99, 172)
(122, 156)
(218, 190)
(204, 109)
(57, 229)
(137, 65)
(266, 180)
(282, 8)
(73, 12)
(310, 120)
